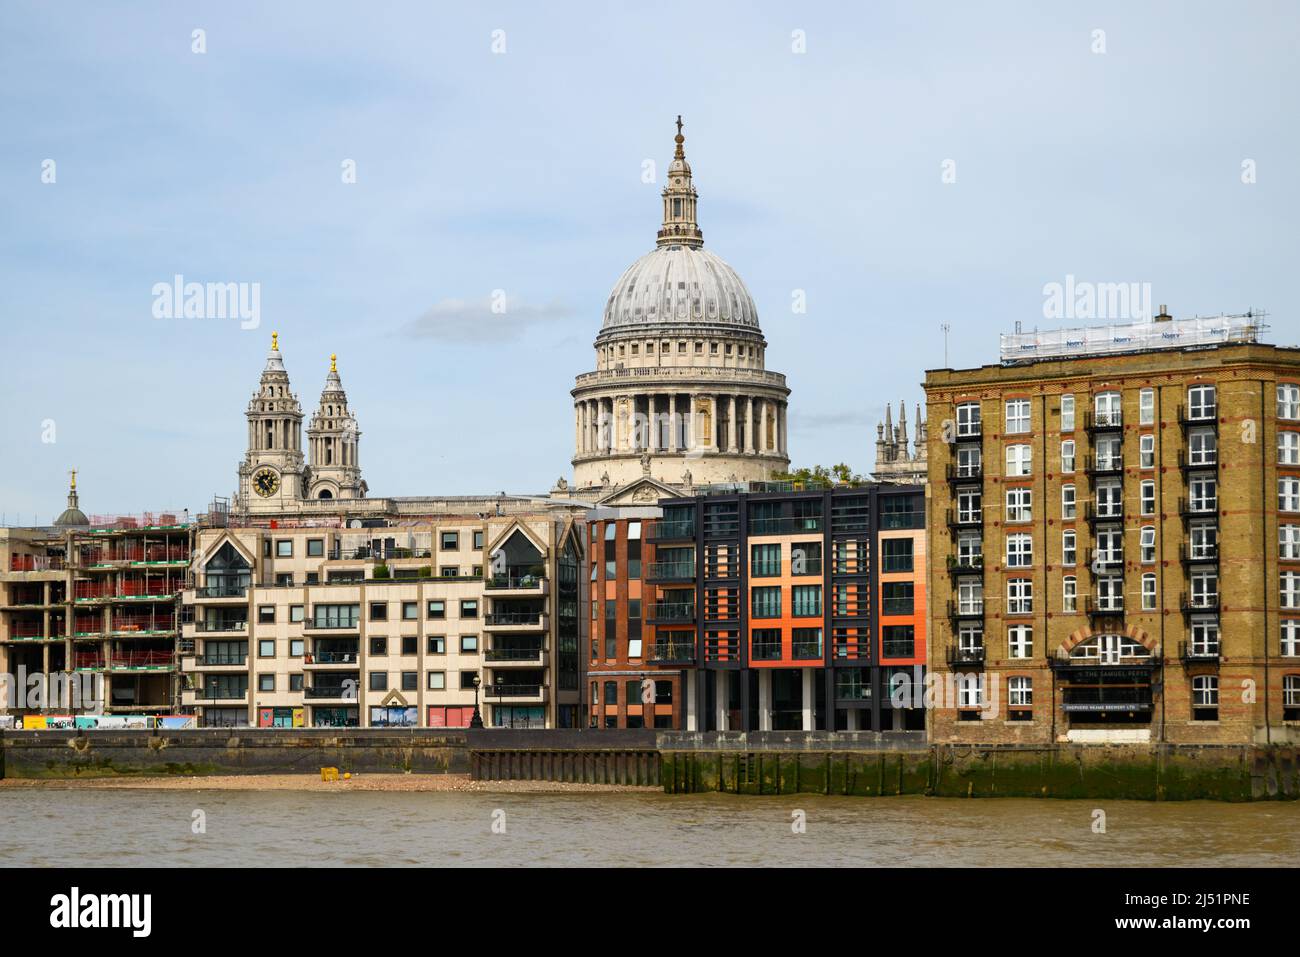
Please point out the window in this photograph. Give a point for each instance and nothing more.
(379, 611)
(897, 598)
(1019, 505)
(1110, 592)
(450, 541)
(1149, 592)
(1020, 459)
(1147, 497)
(410, 681)
(1288, 542)
(449, 571)
(296, 614)
(1110, 547)
(1291, 697)
(1291, 637)
(968, 420)
(1020, 596)
(266, 648)
(1205, 698)
(765, 561)
(1110, 452)
(467, 680)
(1067, 413)
(970, 690)
(1147, 407)
(1205, 637)
(1069, 547)
(1106, 409)
(410, 645)
(266, 614)
(766, 602)
(1288, 401)
(1288, 494)
(1147, 545)
(1201, 402)
(469, 608)
(1067, 456)
(295, 682)
(1069, 594)
(436, 645)
(478, 541)
(1147, 451)
(1020, 641)
(1017, 416)
(1204, 494)
(437, 609)
(315, 547)
(469, 644)
(437, 681)
(897, 554)
(266, 682)
(284, 579)
(296, 648)
(806, 600)
(1020, 551)
(1288, 448)
(970, 596)
(1069, 505)
(379, 681)
(335, 616)
(378, 645)
(970, 550)
(1205, 590)
(1020, 698)
(1204, 540)
(1202, 447)
(969, 505)
(284, 548)
(1291, 590)
(970, 461)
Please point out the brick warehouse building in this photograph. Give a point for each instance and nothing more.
(1115, 519)
(760, 607)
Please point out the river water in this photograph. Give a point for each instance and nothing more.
(68, 827)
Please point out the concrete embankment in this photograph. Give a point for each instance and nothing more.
(845, 763)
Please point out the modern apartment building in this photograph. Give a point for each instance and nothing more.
(97, 597)
(391, 625)
(1115, 529)
(760, 607)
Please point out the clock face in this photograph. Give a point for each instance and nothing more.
(266, 483)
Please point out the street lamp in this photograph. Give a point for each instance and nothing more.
(477, 720)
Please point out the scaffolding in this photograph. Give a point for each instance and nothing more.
(1198, 332)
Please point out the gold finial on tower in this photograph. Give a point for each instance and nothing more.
(275, 342)
(679, 139)
(334, 362)
(73, 486)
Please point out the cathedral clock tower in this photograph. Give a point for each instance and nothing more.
(332, 441)
(271, 477)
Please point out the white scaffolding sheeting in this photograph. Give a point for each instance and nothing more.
(1133, 337)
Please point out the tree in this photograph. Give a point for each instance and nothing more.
(820, 474)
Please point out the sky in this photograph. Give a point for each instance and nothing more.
(894, 166)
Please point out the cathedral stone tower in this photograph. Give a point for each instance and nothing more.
(680, 394)
(894, 463)
(332, 444)
(271, 475)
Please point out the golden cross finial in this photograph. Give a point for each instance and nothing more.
(679, 124)
(73, 473)
(334, 359)
(275, 342)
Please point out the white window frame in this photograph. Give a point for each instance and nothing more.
(1202, 447)
(1067, 413)
(1288, 448)
(1288, 542)
(1205, 691)
(1288, 400)
(1069, 547)
(1020, 460)
(1290, 591)
(1020, 505)
(1202, 402)
(1069, 502)
(1020, 551)
(1016, 416)
(1020, 596)
(1069, 594)
(1020, 691)
(968, 420)
(1147, 407)
(1149, 592)
(1288, 494)
(1068, 451)
(1108, 408)
(1147, 451)
(1147, 545)
(1147, 497)
(1290, 631)
(1020, 641)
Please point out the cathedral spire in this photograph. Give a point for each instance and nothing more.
(680, 227)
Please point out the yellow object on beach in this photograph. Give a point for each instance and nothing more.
(347, 775)
(329, 774)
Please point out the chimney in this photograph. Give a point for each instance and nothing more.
(1163, 314)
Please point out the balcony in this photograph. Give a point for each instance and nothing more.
(211, 696)
(330, 659)
(1094, 422)
(339, 692)
(765, 651)
(971, 611)
(1113, 512)
(1198, 418)
(965, 519)
(670, 572)
(852, 690)
(966, 657)
(806, 650)
(514, 692)
(516, 656)
(332, 624)
(142, 661)
(1201, 508)
(131, 626)
(1205, 462)
(514, 620)
(673, 652)
(785, 525)
(669, 531)
(214, 662)
(965, 474)
(1096, 608)
(1200, 604)
(850, 648)
(971, 565)
(238, 591)
(901, 648)
(671, 611)
(1199, 652)
(218, 626)
(503, 586)
(1107, 562)
(1101, 465)
(969, 432)
(1192, 554)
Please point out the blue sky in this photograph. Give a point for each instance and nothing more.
(521, 171)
